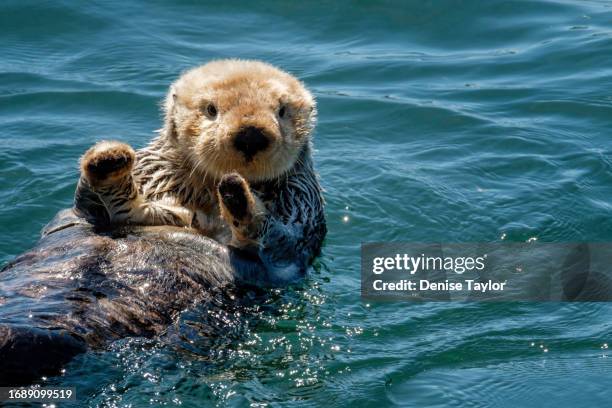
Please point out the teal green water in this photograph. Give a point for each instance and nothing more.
(448, 121)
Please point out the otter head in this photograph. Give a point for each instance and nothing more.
(236, 115)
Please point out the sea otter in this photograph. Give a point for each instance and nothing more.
(233, 161)
(226, 195)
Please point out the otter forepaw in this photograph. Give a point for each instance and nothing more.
(239, 207)
(107, 162)
(235, 197)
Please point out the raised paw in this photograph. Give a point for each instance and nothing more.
(240, 208)
(106, 162)
(236, 199)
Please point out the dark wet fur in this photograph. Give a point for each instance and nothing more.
(80, 289)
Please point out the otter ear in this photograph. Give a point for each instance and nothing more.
(169, 110)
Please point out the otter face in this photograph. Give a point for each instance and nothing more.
(242, 116)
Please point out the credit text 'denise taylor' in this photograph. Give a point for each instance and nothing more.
(412, 265)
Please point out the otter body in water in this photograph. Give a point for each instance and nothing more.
(81, 289)
(226, 194)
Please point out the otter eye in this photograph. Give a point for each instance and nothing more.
(282, 111)
(211, 110)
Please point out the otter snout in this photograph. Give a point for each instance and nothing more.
(250, 141)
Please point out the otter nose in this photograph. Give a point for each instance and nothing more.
(251, 140)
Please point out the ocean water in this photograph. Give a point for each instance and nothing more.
(450, 121)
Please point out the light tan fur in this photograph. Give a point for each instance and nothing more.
(244, 93)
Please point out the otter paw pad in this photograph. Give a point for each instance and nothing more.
(107, 160)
